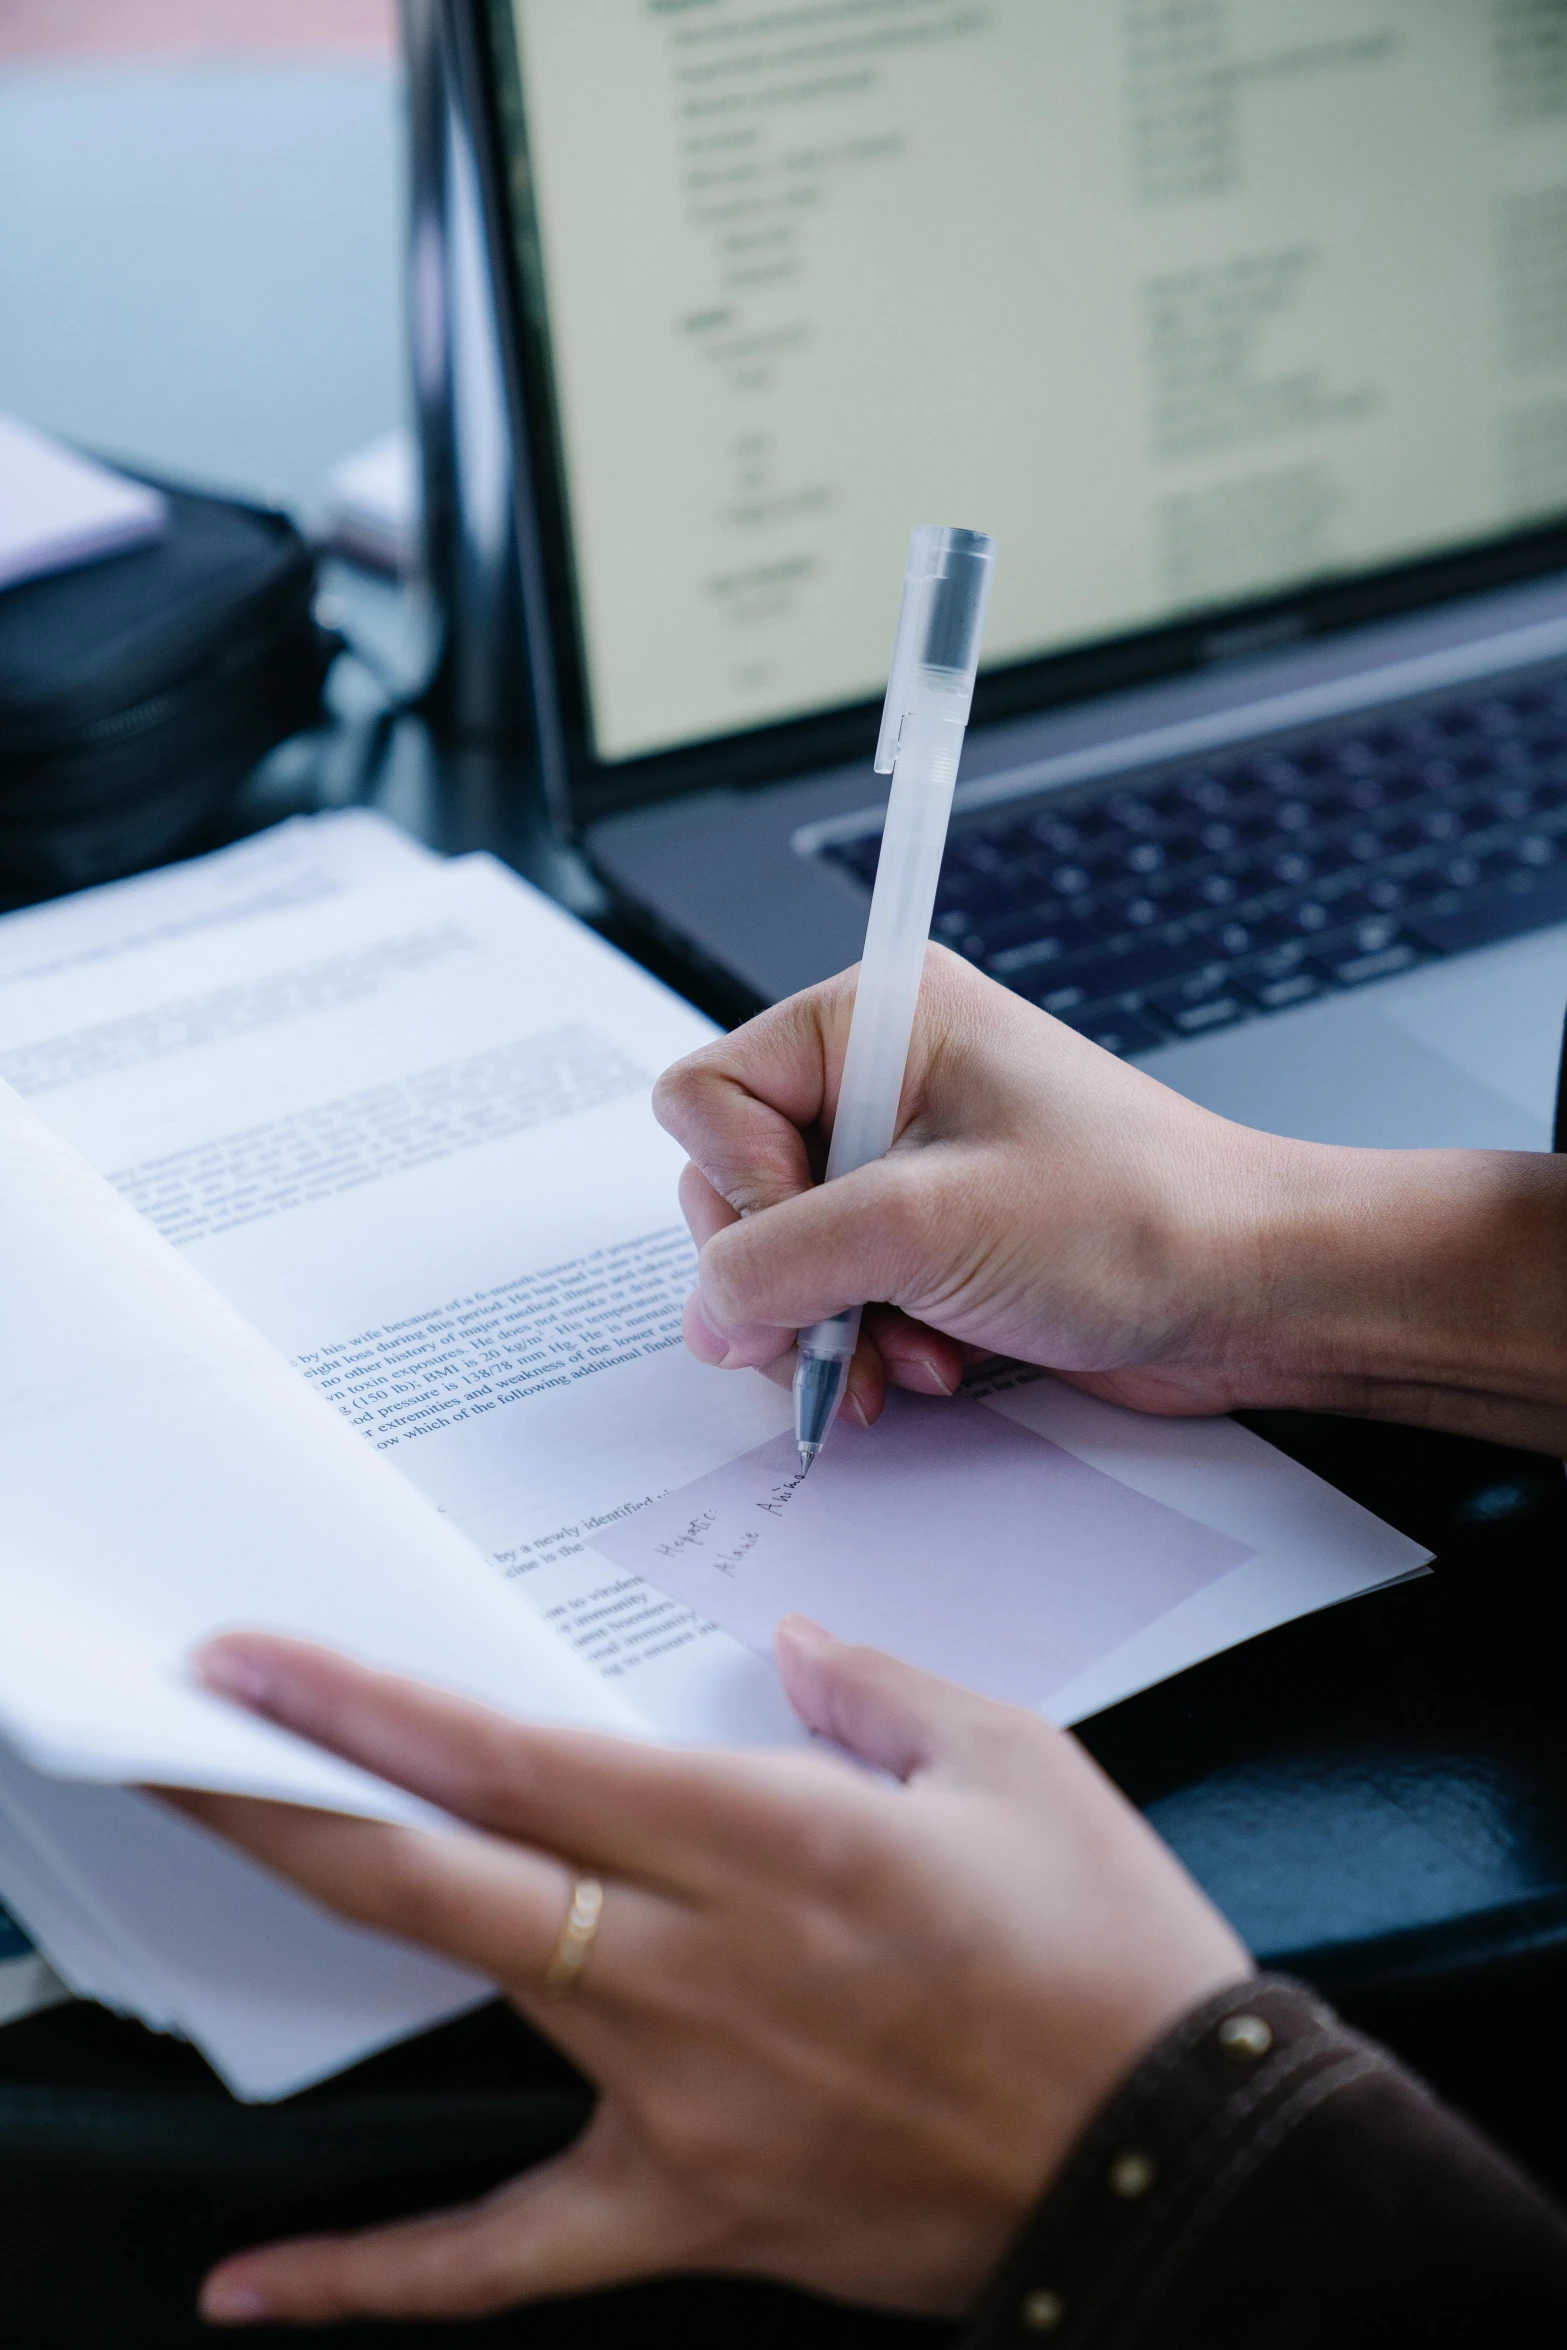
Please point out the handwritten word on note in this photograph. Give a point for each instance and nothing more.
(946, 1533)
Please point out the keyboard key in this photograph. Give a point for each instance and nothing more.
(1107, 977)
(1286, 956)
(1502, 911)
(1210, 793)
(1372, 949)
(1461, 872)
(1441, 824)
(1031, 955)
(1381, 900)
(1231, 939)
(1279, 774)
(1307, 916)
(1288, 987)
(1058, 834)
(1027, 925)
(1136, 813)
(1194, 1006)
(1119, 1032)
(970, 852)
(1145, 966)
(1416, 731)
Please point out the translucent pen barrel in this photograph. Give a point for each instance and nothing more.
(946, 586)
(913, 839)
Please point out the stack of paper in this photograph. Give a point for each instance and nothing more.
(341, 1276)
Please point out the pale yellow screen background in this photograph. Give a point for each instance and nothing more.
(1186, 300)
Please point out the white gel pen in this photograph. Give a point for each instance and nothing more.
(946, 586)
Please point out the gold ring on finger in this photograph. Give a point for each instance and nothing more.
(575, 1945)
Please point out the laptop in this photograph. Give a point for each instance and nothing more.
(1243, 325)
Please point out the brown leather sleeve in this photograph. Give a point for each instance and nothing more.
(1268, 2180)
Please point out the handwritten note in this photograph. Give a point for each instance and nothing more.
(947, 1534)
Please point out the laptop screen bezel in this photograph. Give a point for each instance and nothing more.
(585, 788)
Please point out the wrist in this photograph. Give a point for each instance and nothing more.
(1423, 1286)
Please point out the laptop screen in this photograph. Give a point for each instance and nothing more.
(1194, 303)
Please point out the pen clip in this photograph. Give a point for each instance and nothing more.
(906, 644)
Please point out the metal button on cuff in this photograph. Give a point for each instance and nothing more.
(1245, 2036)
(1132, 2174)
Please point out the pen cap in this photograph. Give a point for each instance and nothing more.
(946, 586)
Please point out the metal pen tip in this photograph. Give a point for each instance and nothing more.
(808, 1453)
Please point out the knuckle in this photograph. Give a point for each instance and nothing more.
(492, 1768)
(824, 1846)
(413, 1895)
(732, 1274)
(497, 1777)
(911, 1219)
(678, 1093)
(472, 2286)
(750, 1189)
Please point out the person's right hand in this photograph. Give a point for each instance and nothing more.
(1045, 1201)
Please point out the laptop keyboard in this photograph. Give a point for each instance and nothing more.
(1184, 898)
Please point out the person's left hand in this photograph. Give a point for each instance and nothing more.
(846, 2025)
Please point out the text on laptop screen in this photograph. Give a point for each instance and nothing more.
(1191, 302)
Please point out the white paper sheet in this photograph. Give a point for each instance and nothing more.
(149, 1913)
(167, 1475)
(295, 863)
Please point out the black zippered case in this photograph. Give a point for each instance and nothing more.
(137, 693)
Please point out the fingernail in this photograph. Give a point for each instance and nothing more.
(804, 1632)
(935, 1376)
(226, 2304)
(235, 1672)
(854, 1412)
